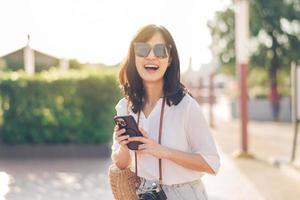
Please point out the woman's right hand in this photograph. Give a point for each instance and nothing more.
(119, 138)
(121, 157)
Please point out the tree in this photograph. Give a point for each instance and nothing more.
(222, 31)
(274, 30)
(75, 64)
(2, 64)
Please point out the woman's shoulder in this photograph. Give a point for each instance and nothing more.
(189, 104)
(121, 106)
(187, 100)
(122, 102)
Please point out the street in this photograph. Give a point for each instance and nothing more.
(267, 176)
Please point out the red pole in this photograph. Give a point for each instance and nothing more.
(242, 60)
(243, 70)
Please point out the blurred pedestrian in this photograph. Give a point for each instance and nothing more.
(274, 98)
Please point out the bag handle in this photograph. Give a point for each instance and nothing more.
(159, 137)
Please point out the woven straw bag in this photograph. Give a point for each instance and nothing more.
(123, 183)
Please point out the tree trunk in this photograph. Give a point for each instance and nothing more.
(274, 64)
(274, 96)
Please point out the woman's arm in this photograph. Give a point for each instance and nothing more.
(188, 160)
(121, 156)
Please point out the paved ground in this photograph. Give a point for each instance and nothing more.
(55, 179)
(87, 179)
(269, 143)
(238, 179)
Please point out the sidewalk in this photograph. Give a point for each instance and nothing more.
(238, 179)
(54, 179)
(268, 142)
(81, 179)
(230, 183)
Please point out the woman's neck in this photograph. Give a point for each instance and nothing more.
(153, 92)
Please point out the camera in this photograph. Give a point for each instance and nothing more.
(121, 122)
(153, 193)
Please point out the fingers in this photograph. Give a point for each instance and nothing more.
(124, 142)
(138, 139)
(143, 149)
(121, 138)
(125, 139)
(145, 134)
(116, 128)
(142, 146)
(141, 152)
(120, 132)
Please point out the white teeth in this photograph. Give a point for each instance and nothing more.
(151, 67)
(155, 66)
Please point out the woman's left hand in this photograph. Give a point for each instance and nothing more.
(150, 146)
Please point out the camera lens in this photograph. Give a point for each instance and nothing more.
(122, 123)
(148, 196)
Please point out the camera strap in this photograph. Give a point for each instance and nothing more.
(159, 139)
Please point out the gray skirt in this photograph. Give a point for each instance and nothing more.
(185, 191)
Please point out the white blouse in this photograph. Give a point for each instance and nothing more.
(184, 129)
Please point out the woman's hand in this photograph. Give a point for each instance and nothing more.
(119, 138)
(121, 157)
(150, 146)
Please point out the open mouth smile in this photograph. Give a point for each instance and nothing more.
(151, 67)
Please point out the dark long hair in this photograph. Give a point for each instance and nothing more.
(131, 82)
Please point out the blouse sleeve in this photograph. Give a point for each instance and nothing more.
(199, 136)
(121, 109)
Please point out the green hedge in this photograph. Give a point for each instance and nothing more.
(55, 107)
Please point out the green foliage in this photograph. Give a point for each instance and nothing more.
(275, 29)
(258, 83)
(2, 64)
(56, 107)
(275, 36)
(222, 31)
(75, 64)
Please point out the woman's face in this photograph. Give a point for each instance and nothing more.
(152, 68)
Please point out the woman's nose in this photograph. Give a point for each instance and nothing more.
(151, 55)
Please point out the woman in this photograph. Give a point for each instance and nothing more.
(150, 79)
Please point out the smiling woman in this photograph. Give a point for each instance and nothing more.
(135, 71)
(177, 147)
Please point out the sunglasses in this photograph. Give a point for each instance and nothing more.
(143, 49)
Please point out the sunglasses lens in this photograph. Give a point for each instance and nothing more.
(142, 49)
(160, 50)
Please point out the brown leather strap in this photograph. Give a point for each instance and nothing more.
(159, 138)
(135, 154)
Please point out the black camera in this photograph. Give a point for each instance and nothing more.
(153, 193)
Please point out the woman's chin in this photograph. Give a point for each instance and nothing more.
(152, 79)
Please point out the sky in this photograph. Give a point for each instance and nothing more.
(99, 31)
